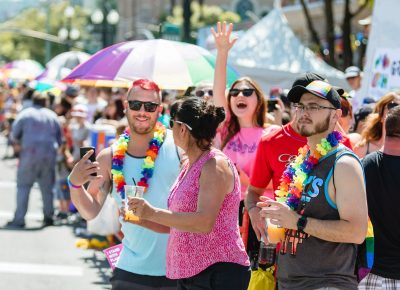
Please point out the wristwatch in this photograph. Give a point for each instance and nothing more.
(301, 223)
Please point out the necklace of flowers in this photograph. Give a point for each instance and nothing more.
(120, 148)
(295, 175)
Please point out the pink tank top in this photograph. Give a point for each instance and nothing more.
(190, 253)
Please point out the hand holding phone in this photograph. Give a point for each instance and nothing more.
(272, 105)
(92, 158)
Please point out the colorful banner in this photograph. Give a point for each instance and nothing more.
(385, 74)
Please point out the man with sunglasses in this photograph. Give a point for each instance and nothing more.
(142, 263)
(322, 229)
(382, 173)
(204, 90)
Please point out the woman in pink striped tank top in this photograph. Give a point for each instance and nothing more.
(205, 250)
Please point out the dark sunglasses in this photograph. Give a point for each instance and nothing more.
(245, 92)
(172, 121)
(202, 93)
(149, 107)
(392, 105)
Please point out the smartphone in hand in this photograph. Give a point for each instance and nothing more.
(272, 105)
(92, 158)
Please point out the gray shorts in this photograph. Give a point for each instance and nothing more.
(372, 281)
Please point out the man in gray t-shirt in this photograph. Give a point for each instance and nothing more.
(37, 132)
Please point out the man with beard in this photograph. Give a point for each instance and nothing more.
(322, 200)
(142, 263)
(275, 151)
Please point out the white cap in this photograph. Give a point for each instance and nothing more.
(79, 110)
(351, 72)
(365, 21)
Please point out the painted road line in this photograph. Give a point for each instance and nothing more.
(29, 215)
(40, 269)
(7, 184)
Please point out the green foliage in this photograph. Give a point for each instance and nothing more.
(15, 46)
(202, 16)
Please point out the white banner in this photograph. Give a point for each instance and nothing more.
(385, 72)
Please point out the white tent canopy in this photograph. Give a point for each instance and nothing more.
(270, 53)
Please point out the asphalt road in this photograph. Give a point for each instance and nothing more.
(42, 258)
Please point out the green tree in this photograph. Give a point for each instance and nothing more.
(201, 15)
(17, 46)
(331, 57)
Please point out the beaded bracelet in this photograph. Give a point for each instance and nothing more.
(72, 185)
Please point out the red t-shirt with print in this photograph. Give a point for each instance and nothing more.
(274, 153)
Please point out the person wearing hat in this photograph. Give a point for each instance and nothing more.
(274, 152)
(322, 200)
(353, 77)
(80, 129)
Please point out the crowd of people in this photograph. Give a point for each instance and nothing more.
(221, 168)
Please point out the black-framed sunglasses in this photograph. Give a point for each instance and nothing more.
(172, 121)
(392, 105)
(149, 107)
(202, 93)
(245, 92)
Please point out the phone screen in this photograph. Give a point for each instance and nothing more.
(272, 105)
(92, 157)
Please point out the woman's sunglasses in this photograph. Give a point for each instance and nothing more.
(172, 121)
(245, 92)
(391, 105)
(202, 93)
(149, 107)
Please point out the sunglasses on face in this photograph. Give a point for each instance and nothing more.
(392, 105)
(245, 92)
(149, 107)
(172, 121)
(202, 93)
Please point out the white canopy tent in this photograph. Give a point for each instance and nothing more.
(270, 53)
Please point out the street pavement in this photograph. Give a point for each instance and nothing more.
(42, 258)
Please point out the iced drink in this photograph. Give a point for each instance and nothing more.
(275, 233)
(132, 191)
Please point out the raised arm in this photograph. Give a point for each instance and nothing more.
(89, 202)
(223, 43)
(215, 182)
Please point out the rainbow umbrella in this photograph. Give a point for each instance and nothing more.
(62, 64)
(171, 64)
(22, 69)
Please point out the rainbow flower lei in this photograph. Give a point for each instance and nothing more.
(293, 178)
(119, 151)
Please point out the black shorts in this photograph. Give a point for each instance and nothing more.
(220, 276)
(124, 280)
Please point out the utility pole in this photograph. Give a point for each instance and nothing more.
(187, 13)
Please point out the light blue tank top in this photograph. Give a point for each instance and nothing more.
(144, 251)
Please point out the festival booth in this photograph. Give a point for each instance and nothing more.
(382, 69)
(101, 135)
(270, 53)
